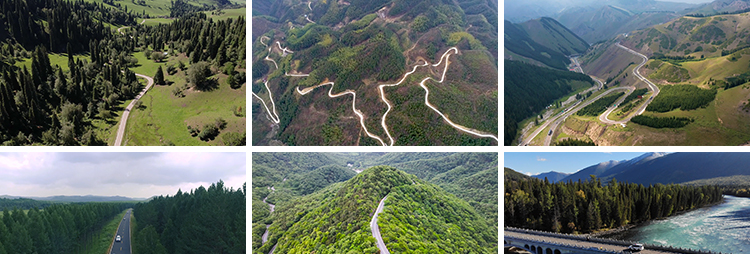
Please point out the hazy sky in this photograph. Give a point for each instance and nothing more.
(138, 175)
(535, 163)
(688, 1)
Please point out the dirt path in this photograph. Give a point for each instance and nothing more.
(126, 113)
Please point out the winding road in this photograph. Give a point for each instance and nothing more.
(126, 113)
(444, 57)
(376, 230)
(636, 71)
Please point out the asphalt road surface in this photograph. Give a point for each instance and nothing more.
(376, 230)
(126, 113)
(123, 230)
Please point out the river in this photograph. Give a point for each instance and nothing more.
(720, 228)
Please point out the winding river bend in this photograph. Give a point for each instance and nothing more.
(720, 228)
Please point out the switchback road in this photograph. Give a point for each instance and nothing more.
(126, 113)
(636, 71)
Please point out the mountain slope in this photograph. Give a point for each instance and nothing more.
(340, 220)
(365, 53)
(607, 169)
(550, 33)
(684, 167)
(551, 176)
(601, 23)
(519, 41)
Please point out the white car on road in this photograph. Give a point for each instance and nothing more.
(117, 239)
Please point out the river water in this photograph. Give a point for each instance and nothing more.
(720, 228)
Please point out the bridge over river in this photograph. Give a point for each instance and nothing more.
(540, 242)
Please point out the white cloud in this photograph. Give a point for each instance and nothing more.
(124, 174)
(540, 159)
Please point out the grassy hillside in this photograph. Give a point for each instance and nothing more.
(518, 41)
(550, 33)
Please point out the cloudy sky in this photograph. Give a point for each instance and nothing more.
(536, 163)
(135, 175)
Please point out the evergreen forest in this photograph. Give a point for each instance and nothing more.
(59, 228)
(204, 220)
(589, 206)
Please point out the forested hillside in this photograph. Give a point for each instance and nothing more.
(317, 65)
(542, 40)
(22, 203)
(588, 206)
(297, 183)
(202, 221)
(66, 72)
(56, 228)
(529, 89)
(342, 218)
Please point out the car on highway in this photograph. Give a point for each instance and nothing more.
(636, 247)
(117, 239)
(550, 133)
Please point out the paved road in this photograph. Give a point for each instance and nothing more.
(611, 247)
(636, 71)
(559, 120)
(376, 230)
(126, 113)
(556, 120)
(123, 230)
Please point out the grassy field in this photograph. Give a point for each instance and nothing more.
(225, 13)
(54, 59)
(103, 239)
(163, 117)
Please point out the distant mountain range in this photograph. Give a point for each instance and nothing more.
(674, 168)
(551, 176)
(74, 199)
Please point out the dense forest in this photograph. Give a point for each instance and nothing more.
(587, 206)
(575, 142)
(203, 221)
(52, 104)
(342, 218)
(529, 89)
(600, 105)
(684, 97)
(56, 228)
(22, 203)
(662, 122)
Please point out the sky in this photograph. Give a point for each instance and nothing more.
(535, 163)
(135, 175)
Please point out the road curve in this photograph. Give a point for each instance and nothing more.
(559, 120)
(123, 230)
(636, 71)
(354, 106)
(126, 113)
(376, 230)
(548, 121)
(604, 117)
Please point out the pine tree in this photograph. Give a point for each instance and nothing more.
(159, 76)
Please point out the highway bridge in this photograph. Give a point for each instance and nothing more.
(540, 242)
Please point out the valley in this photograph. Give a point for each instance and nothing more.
(323, 42)
(413, 201)
(692, 67)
